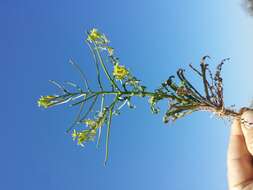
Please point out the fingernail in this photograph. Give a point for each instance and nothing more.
(247, 119)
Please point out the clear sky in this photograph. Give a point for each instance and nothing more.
(153, 39)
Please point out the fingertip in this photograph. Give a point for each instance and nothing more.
(247, 129)
(247, 119)
(236, 127)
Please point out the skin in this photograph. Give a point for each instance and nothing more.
(240, 154)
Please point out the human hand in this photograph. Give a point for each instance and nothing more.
(240, 153)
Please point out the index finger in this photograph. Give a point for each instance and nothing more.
(239, 160)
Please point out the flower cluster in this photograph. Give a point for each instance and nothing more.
(47, 101)
(101, 42)
(120, 72)
(97, 37)
(83, 136)
(92, 127)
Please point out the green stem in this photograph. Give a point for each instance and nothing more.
(104, 68)
(84, 100)
(77, 118)
(100, 128)
(83, 76)
(90, 108)
(126, 93)
(203, 70)
(109, 128)
(96, 63)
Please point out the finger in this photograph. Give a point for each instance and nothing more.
(237, 147)
(247, 129)
(240, 169)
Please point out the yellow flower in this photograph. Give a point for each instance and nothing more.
(85, 135)
(90, 123)
(151, 100)
(81, 138)
(120, 72)
(74, 135)
(95, 36)
(46, 101)
(110, 50)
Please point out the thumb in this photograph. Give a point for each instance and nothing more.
(247, 129)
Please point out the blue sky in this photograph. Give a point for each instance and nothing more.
(153, 39)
